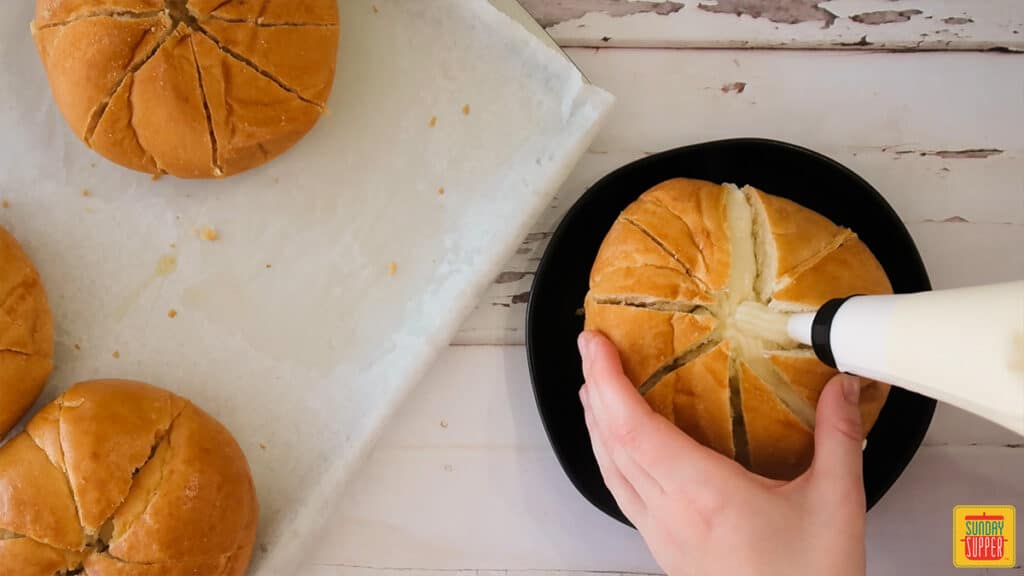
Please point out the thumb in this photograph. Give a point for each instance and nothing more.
(601, 361)
(839, 439)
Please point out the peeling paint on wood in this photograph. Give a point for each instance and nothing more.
(508, 277)
(884, 17)
(797, 24)
(862, 42)
(962, 220)
(521, 298)
(552, 12)
(734, 88)
(966, 154)
(781, 11)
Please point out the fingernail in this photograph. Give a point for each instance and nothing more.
(584, 397)
(586, 344)
(851, 389)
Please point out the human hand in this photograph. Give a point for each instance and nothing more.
(702, 513)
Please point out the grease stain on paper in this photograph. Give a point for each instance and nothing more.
(165, 266)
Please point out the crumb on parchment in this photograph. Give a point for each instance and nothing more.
(85, 192)
(465, 109)
(375, 10)
(263, 446)
(172, 313)
(433, 121)
(440, 191)
(392, 268)
(208, 234)
(116, 354)
(269, 266)
(444, 422)
(6, 204)
(77, 347)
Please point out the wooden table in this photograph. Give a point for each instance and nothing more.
(925, 99)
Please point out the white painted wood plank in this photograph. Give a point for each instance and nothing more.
(952, 157)
(813, 24)
(464, 480)
(825, 100)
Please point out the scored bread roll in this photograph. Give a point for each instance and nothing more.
(26, 333)
(190, 88)
(120, 478)
(666, 283)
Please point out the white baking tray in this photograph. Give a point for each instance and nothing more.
(290, 328)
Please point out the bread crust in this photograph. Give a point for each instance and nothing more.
(56, 12)
(849, 269)
(780, 446)
(647, 339)
(26, 333)
(307, 12)
(700, 399)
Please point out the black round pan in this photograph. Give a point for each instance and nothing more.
(778, 168)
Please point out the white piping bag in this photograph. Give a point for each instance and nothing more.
(964, 347)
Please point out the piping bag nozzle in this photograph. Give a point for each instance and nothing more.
(963, 346)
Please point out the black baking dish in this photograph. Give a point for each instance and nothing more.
(801, 175)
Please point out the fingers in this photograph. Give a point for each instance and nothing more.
(839, 439)
(629, 501)
(651, 453)
(646, 485)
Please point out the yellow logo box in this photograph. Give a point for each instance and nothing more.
(984, 536)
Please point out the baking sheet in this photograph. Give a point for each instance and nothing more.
(291, 328)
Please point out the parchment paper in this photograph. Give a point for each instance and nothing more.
(290, 328)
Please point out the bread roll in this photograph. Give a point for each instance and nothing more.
(191, 88)
(26, 333)
(666, 283)
(121, 478)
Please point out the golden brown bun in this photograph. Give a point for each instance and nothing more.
(688, 249)
(301, 58)
(53, 12)
(701, 399)
(238, 98)
(86, 59)
(792, 234)
(306, 12)
(26, 557)
(646, 339)
(158, 89)
(173, 128)
(26, 333)
(701, 205)
(808, 376)
(626, 246)
(849, 269)
(643, 284)
(131, 480)
(778, 444)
